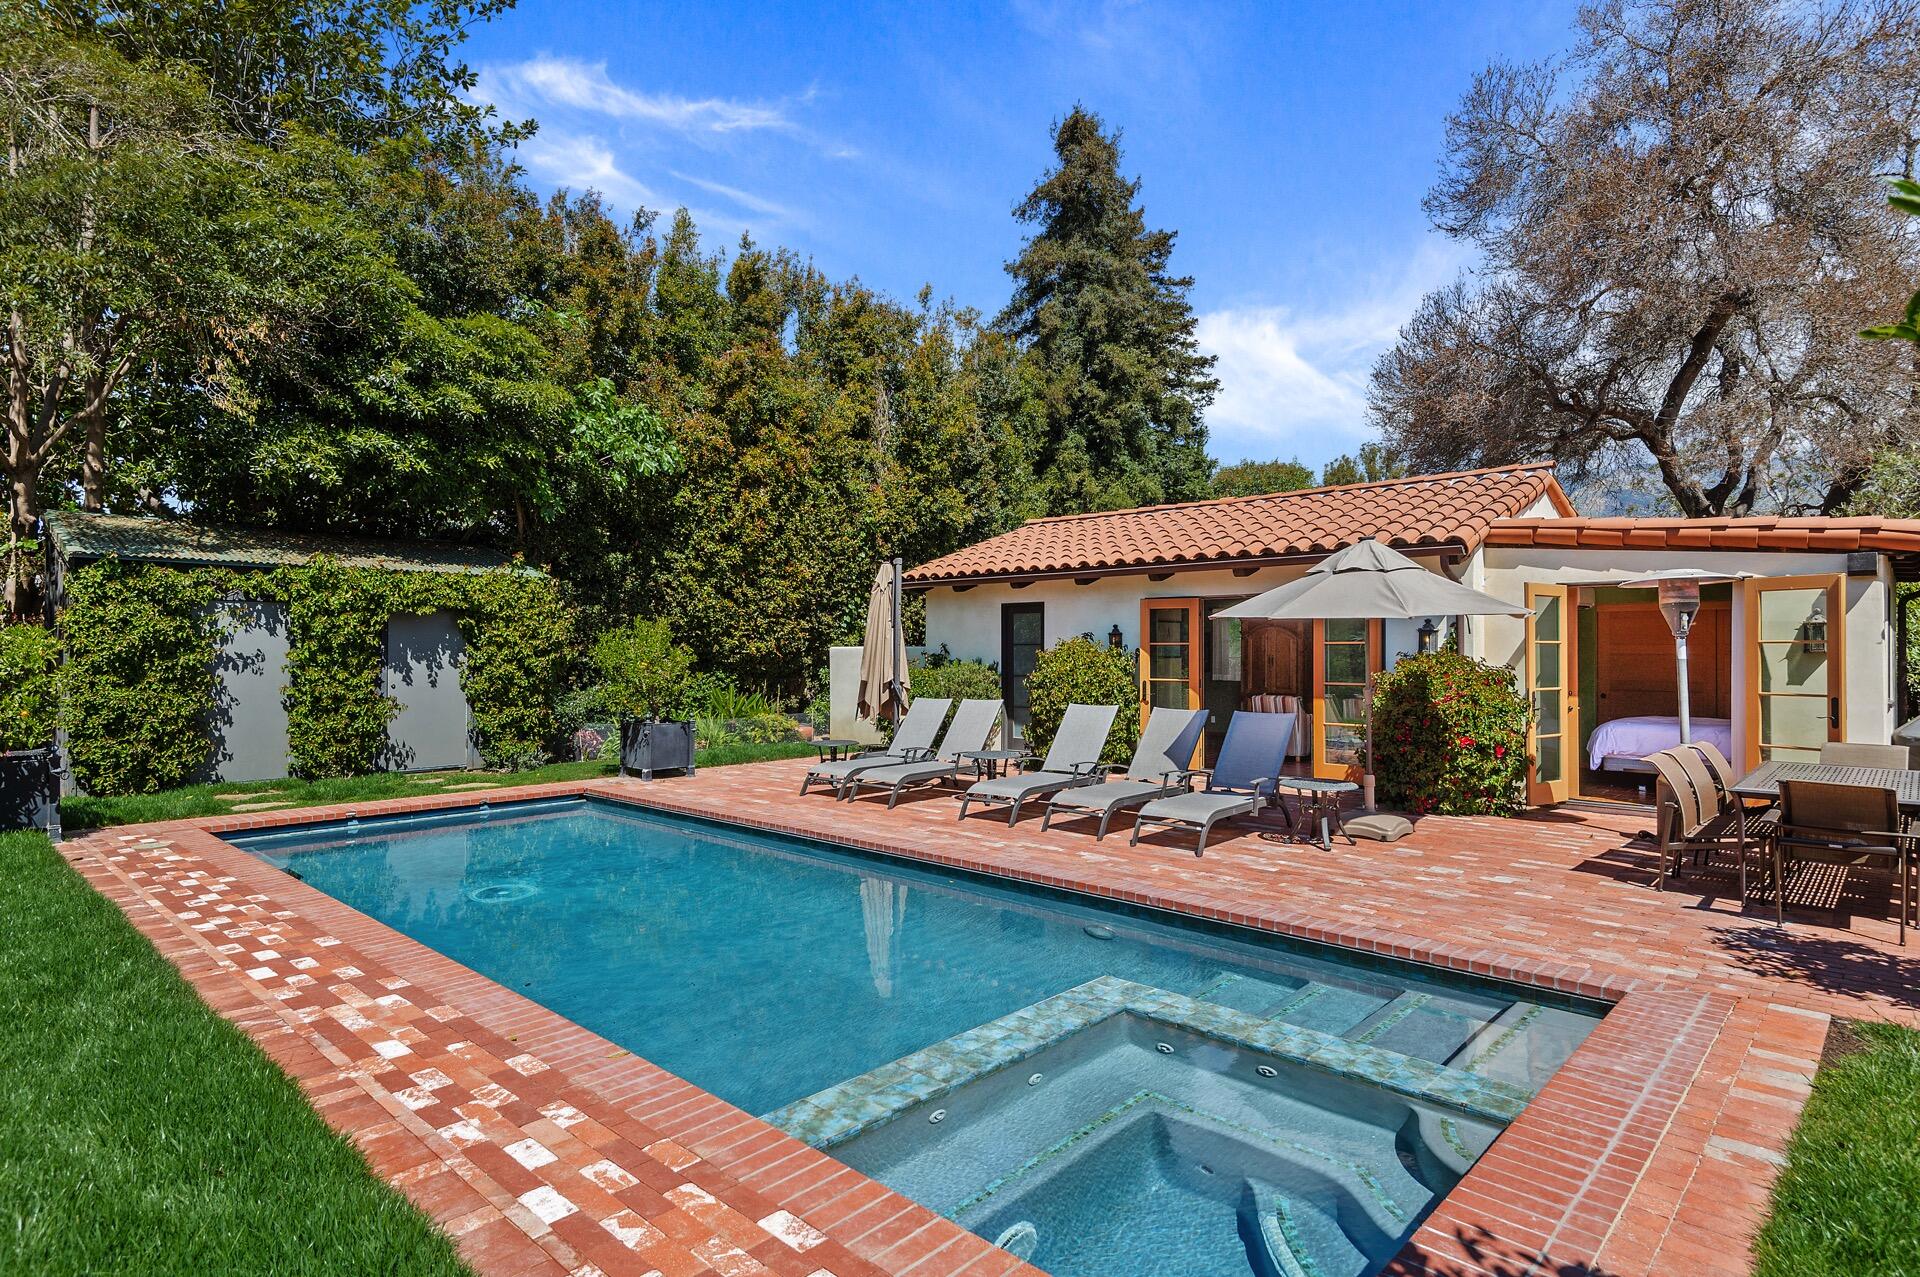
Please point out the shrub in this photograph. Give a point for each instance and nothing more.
(938, 674)
(646, 674)
(29, 686)
(1450, 736)
(1081, 671)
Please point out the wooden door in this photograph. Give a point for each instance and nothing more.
(1552, 741)
(1172, 654)
(1796, 671)
(1346, 654)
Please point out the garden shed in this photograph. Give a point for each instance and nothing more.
(214, 654)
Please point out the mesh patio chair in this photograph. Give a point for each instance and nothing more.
(1158, 766)
(973, 723)
(1838, 753)
(1073, 759)
(1695, 814)
(1723, 773)
(1238, 784)
(1848, 826)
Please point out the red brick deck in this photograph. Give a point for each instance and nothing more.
(546, 1149)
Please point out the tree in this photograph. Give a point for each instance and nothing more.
(1677, 247)
(1373, 463)
(1256, 478)
(1108, 333)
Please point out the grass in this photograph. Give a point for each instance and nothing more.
(212, 800)
(141, 1133)
(1848, 1200)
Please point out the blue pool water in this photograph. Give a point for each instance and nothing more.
(767, 970)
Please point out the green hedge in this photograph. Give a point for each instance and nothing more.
(1079, 671)
(1450, 736)
(29, 686)
(141, 642)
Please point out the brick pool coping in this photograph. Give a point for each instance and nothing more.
(544, 1148)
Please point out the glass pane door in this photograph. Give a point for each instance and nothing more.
(1548, 642)
(1022, 636)
(1795, 626)
(1348, 654)
(1170, 654)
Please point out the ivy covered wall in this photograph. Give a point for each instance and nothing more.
(141, 642)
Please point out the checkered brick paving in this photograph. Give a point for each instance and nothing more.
(545, 1149)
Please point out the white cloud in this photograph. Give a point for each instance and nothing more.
(570, 82)
(579, 161)
(745, 199)
(1295, 381)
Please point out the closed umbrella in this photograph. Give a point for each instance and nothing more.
(1368, 581)
(883, 649)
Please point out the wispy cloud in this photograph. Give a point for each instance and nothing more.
(585, 86)
(579, 161)
(745, 199)
(1294, 380)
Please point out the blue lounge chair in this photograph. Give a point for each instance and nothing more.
(1238, 784)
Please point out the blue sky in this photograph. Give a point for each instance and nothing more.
(1288, 143)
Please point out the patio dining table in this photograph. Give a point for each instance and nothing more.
(1764, 780)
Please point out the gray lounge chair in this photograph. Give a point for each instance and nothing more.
(972, 727)
(1239, 784)
(1072, 759)
(912, 741)
(1158, 769)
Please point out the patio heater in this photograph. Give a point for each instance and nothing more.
(1679, 591)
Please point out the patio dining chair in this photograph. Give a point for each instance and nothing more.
(1848, 753)
(1695, 814)
(1847, 826)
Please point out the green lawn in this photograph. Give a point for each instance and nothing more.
(207, 800)
(141, 1133)
(1848, 1201)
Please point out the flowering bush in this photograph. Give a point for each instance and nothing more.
(1450, 736)
(29, 682)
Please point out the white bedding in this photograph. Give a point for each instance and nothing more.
(1635, 738)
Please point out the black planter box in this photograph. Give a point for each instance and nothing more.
(30, 789)
(656, 745)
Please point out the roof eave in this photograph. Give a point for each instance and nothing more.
(1448, 548)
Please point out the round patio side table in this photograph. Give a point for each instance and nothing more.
(832, 747)
(1319, 802)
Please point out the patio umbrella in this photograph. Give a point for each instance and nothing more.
(1368, 581)
(883, 650)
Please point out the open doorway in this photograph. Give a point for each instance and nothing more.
(1629, 698)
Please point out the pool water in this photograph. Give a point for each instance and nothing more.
(767, 970)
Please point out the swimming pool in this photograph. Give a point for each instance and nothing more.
(773, 971)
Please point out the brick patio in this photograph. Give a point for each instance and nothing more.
(543, 1148)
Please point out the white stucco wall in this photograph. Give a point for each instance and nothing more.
(1868, 685)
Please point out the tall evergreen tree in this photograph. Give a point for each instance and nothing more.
(1109, 335)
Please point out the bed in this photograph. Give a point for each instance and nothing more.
(1621, 744)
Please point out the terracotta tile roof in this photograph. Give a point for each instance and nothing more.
(1427, 510)
(1766, 532)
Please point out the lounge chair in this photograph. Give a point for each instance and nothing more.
(972, 727)
(1842, 826)
(912, 742)
(1072, 759)
(1696, 813)
(1157, 770)
(1238, 784)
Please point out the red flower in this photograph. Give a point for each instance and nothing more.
(1499, 751)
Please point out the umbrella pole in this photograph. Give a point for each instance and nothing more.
(1366, 780)
(899, 643)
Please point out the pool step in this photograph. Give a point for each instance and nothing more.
(1523, 1046)
(1328, 1007)
(1250, 994)
(1287, 1241)
(1415, 1024)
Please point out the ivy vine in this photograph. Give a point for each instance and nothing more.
(141, 643)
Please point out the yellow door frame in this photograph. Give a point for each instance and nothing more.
(1835, 584)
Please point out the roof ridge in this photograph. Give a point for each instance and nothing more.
(1515, 468)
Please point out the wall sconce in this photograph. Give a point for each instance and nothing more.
(1115, 639)
(1814, 632)
(1428, 632)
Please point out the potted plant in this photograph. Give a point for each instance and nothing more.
(29, 710)
(647, 679)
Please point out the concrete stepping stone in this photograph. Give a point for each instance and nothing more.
(269, 806)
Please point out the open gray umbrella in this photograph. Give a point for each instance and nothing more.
(1368, 581)
(883, 649)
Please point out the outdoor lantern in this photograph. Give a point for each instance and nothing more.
(1814, 632)
(1115, 639)
(1428, 632)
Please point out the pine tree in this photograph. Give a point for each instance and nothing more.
(1108, 333)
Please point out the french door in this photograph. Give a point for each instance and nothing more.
(1346, 654)
(1795, 667)
(1551, 742)
(1172, 647)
